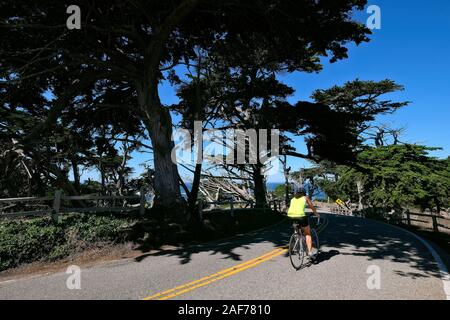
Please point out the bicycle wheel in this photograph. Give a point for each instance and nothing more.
(296, 251)
(315, 244)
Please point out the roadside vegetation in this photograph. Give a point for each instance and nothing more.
(42, 240)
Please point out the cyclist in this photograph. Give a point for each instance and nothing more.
(297, 213)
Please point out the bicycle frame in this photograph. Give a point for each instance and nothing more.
(298, 230)
(300, 237)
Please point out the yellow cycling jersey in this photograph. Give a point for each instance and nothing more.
(297, 208)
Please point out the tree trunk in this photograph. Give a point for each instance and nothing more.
(121, 172)
(38, 187)
(166, 173)
(102, 177)
(195, 187)
(158, 122)
(286, 171)
(260, 187)
(76, 175)
(359, 187)
(438, 206)
(197, 138)
(157, 119)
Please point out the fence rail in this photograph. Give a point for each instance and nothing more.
(274, 205)
(58, 200)
(56, 207)
(433, 222)
(26, 199)
(426, 221)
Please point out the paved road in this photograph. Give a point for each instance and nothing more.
(254, 267)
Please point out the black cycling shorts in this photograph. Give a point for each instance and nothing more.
(302, 222)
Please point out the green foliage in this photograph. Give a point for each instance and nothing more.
(280, 191)
(334, 124)
(42, 240)
(344, 187)
(391, 177)
(403, 175)
(361, 98)
(22, 242)
(94, 229)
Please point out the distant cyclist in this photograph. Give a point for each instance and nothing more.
(297, 213)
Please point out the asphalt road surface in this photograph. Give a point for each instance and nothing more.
(255, 266)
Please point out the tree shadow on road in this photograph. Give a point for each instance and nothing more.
(321, 257)
(345, 236)
(277, 236)
(376, 241)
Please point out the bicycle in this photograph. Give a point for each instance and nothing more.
(298, 248)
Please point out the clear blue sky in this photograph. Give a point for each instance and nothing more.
(412, 48)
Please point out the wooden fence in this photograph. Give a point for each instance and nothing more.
(432, 222)
(56, 206)
(341, 210)
(231, 205)
(424, 221)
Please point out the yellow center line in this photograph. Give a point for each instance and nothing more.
(179, 290)
(213, 275)
(226, 275)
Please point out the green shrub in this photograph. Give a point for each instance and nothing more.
(374, 213)
(40, 239)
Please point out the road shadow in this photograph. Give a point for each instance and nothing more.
(322, 256)
(325, 256)
(344, 236)
(226, 248)
(377, 241)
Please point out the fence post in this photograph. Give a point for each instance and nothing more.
(56, 205)
(435, 224)
(408, 217)
(142, 203)
(232, 208)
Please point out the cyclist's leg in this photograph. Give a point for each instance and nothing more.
(307, 233)
(304, 224)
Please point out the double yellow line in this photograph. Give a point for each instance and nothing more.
(216, 276)
(174, 292)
